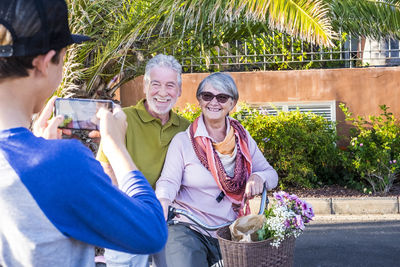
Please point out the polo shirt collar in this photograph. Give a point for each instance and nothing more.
(202, 130)
(173, 118)
(145, 116)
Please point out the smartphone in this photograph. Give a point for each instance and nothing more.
(80, 113)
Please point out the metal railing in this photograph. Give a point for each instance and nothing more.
(284, 52)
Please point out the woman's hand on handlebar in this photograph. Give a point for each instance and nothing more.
(165, 203)
(254, 186)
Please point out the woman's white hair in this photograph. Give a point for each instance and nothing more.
(220, 81)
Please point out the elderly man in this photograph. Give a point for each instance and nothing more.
(151, 127)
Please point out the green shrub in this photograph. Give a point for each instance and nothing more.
(300, 146)
(374, 150)
(190, 112)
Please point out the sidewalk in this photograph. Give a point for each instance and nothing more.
(328, 207)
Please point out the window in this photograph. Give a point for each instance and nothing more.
(326, 109)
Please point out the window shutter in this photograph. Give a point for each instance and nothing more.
(326, 109)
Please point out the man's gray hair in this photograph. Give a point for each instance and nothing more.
(220, 81)
(163, 61)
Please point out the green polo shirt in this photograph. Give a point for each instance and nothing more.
(147, 140)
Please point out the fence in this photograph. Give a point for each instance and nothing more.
(279, 51)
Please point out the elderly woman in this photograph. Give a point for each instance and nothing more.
(210, 170)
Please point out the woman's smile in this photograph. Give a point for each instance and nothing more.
(214, 110)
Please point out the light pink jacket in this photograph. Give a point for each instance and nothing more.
(190, 186)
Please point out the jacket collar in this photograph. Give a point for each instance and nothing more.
(202, 130)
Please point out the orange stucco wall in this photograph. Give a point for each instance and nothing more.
(362, 90)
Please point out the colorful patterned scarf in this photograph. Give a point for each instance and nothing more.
(232, 187)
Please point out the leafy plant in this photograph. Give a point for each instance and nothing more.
(190, 112)
(95, 69)
(375, 148)
(287, 52)
(300, 146)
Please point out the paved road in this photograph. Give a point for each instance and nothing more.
(349, 244)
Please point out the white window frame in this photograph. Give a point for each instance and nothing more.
(303, 106)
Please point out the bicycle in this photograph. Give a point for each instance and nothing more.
(197, 223)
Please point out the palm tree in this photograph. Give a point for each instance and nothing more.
(127, 32)
(367, 18)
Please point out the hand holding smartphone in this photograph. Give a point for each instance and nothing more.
(80, 113)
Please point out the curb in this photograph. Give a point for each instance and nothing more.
(364, 218)
(355, 206)
(348, 206)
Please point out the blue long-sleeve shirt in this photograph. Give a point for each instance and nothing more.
(56, 202)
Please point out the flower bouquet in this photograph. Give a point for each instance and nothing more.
(267, 239)
(285, 218)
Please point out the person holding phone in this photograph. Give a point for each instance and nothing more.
(151, 126)
(56, 201)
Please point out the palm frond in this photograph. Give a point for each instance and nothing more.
(91, 65)
(370, 18)
(302, 18)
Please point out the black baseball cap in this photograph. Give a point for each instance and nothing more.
(34, 27)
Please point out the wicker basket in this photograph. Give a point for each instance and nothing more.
(254, 254)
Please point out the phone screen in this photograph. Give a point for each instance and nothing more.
(80, 113)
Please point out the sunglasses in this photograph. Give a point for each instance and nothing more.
(221, 98)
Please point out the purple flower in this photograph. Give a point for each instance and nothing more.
(361, 144)
(300, 212)
(305, 205)
(307, 212)
(279, 197)
(394, 161)
(308, 216)
(293, 197)
(266, 139)
(299, 222)
(390, 162)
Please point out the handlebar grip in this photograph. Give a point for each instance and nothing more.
(171, 213)
(264, 201)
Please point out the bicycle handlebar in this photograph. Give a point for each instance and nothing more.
(174, 211)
